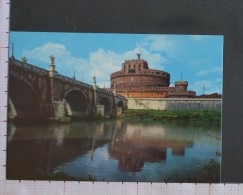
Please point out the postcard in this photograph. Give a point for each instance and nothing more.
(114, 107)
(120, 97)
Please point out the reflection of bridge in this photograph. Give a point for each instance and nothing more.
(38, 93)
(46, 147)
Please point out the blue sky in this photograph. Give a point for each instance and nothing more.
(198, 57)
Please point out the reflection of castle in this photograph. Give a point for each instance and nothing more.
(131, 155)
(135, 146)
(137, 80)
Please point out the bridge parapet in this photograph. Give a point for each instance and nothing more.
(27, 66)
(44, 72)
(105, 91)
(74, 81)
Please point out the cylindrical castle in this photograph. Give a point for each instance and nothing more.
(137, 80)
(136, 73)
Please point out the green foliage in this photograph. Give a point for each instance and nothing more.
(210, 117)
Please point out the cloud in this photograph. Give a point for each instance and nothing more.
(104, 84)
(195, 63)
(155, 60)
(49, 48)
(218, 80)
(63, 58)
(160, 51)
(160, 43)
(210, 86)
(202, 73)
(100, 63)
(217, 69)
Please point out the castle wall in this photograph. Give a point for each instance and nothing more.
(175, 103)
(139, 80)
(146, 94)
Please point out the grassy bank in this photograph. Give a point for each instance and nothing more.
(199, 116)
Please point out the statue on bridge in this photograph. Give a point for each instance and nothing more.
(94, 79)
(52, 59)
(94, 83)
(51, 70)
(24, 59)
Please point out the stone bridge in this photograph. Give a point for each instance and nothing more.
(38, 93)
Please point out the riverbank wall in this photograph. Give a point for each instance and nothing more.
(213, 104)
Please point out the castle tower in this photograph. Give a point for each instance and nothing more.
(181, 85)
(137, 74)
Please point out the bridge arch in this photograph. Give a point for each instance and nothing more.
(24, 99)
(76, 102)
(104, 100)
(120, 104)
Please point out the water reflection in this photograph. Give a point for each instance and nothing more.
(137, 144)
(110, 150)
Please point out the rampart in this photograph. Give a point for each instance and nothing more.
(212, 104)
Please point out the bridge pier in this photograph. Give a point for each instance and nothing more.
(59, 112)
(100, 110)
(118, 111)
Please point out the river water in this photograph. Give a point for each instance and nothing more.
(114, 150)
